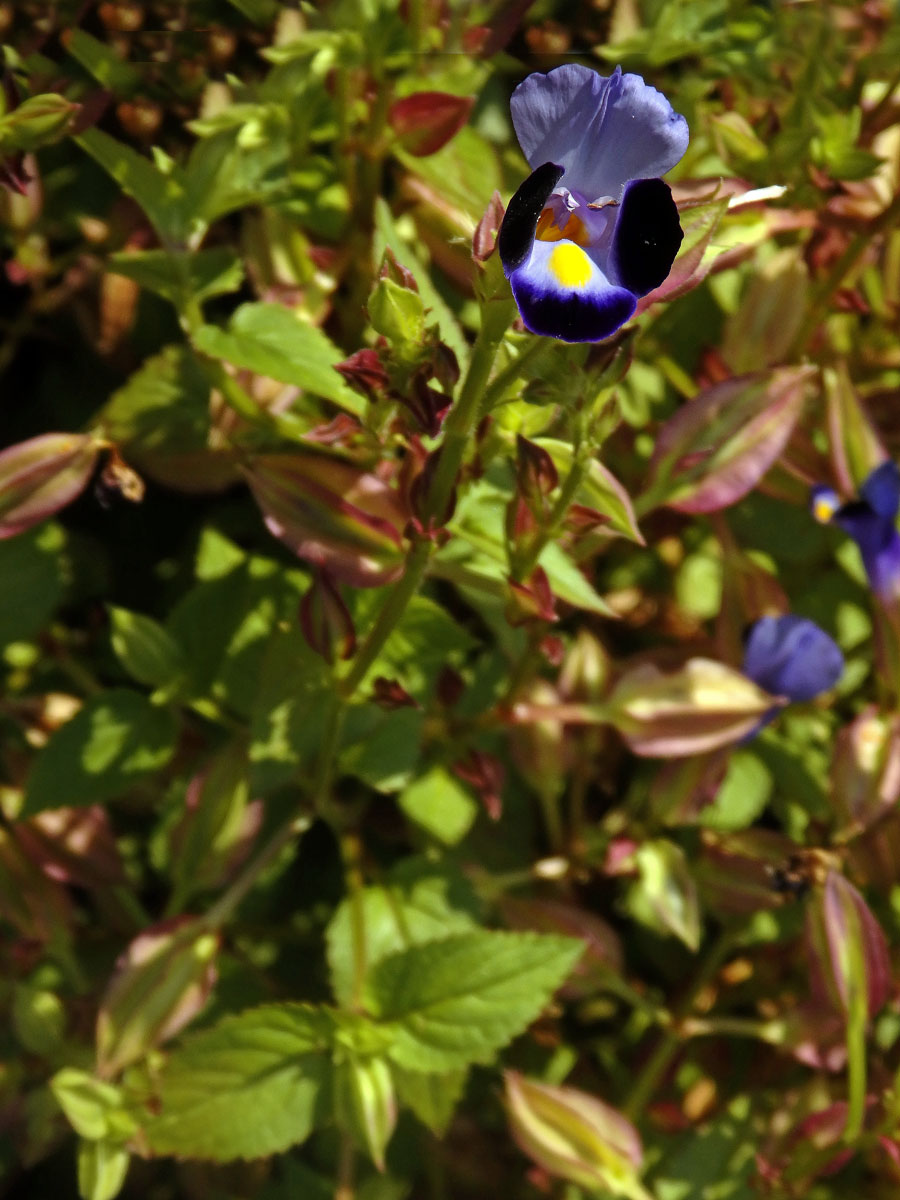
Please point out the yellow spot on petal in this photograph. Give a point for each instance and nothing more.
(570, 265)
(824, 509)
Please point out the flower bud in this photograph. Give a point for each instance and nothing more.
(365, 1105)
(160, 983)
(702, 705)
(847, 946)
(865, 769)
(575, 1136)
(41, 476)
(36, 122)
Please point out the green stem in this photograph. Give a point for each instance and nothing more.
(526, 562)
(351, 852)
(225, 906)
(465, 414)
(512, 371)
(671, 1041)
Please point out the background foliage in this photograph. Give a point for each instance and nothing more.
(368, 730)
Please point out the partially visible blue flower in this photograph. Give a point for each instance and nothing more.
(872, 523)
(593, 227)
(792, 657)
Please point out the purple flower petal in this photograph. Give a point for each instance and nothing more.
(562, 292)
(791, 656)
(604, 131)
(878, 541)
(646, 236)
(881, 490)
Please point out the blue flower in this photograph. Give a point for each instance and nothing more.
(792, 657)
(871, 522)
(593, 227)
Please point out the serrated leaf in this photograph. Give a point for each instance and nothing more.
(250, 1087)
(419, 904)
(271, 340)
(458, 1001)
(117, 738)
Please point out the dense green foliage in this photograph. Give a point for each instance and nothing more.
(373, 726)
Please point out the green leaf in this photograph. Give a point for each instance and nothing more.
(388, 236)
(99, 58)
(250, 1087)
(116, 739)
(600, 489)
(569, 584)
(147, 652)
(441, 805)
(223, 625)
(421, 903)
(37, 563)
(433, 1098)
(161, 417)
(421, 644)
(160, 195)
(102, 1167)
(744, 793)
(288, 711)
(458, 1001)
(386, 747)
(181, 275)
(93, 1108)
(271, 340)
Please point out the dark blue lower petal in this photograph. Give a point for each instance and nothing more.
(791, 656)
(575, 305)
(647, 236)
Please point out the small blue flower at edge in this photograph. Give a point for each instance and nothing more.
(790, 656)
(593, 227)
(871, 521)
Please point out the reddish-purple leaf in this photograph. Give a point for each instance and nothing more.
(716, 448)
(426, 121)
(332, 514)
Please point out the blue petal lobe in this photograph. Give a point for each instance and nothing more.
(562, 293)
(646, 236)
(878, 541)
(791, 656)
(521, 217)
(881, 490)
(604, 131)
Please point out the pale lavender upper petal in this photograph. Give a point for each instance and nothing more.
(603, 131)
